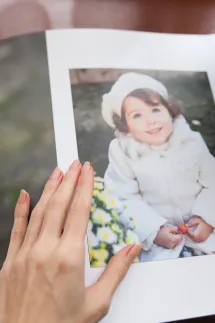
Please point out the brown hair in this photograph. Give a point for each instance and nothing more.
(151, 98)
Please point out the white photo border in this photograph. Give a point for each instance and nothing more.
(159, 291)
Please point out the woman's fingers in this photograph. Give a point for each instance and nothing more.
(56, 211)
(20, 225)
(100, 293)
(117, 269)
(78, 215)
(37, 215)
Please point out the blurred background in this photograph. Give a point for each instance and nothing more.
(171, 16)
(27, 147)
(191, 90)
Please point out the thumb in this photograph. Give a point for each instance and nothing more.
(117, 268)
(102, 291)
(193, 222)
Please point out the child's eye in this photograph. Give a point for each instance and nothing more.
(137, 116)
(155, 110)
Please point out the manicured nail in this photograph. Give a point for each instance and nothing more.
(22, 197)
(129, 247)
(87, 166)
(75, 165)
(134, 250)
(56, 174)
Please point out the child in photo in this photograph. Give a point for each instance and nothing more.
(161, 170)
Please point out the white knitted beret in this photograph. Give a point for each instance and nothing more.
(112, 101)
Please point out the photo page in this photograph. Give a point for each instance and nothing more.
(140, 108)
(151, 140)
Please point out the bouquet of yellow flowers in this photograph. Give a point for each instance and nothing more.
(106, 234)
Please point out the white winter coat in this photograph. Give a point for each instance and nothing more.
(163, 185)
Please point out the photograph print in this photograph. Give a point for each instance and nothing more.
(150, 136)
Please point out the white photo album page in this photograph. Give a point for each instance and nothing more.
(140, 108)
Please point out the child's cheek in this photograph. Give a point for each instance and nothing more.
(140, 125)
(139, 134)
(167, 130)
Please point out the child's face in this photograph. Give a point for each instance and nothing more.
(149, 124)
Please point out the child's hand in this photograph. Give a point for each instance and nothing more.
(168, 237)
(202, 231)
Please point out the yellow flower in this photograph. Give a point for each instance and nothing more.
(98, 264)
(98, 186)
(96, 193)
(92, 239)
(131, 218)
(109, 190)
(105, 234)
(98, 179)
(102, 196)
(93, 207)
(103, 245)
(101, 217)
(91, 250)
(131, 237)
(100, 254)
(116, 228)
(114, 215)
(128, 240)
(112, 202)
(136, 260)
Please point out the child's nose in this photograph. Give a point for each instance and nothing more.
(149, 121)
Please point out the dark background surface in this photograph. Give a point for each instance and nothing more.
(27, 148)
(172, 16)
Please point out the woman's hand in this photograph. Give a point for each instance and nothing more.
(202, 230)
(42, 279)
(168, 237)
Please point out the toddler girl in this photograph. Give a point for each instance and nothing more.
(160, 169)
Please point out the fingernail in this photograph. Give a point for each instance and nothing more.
(134, 250)
(75, 164)
(22, 196)
(87, 166)
(129, 247)
(56, 174)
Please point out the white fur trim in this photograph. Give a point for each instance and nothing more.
(112, 101)
(181, 133)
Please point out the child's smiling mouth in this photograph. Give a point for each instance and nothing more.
(154, 131)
